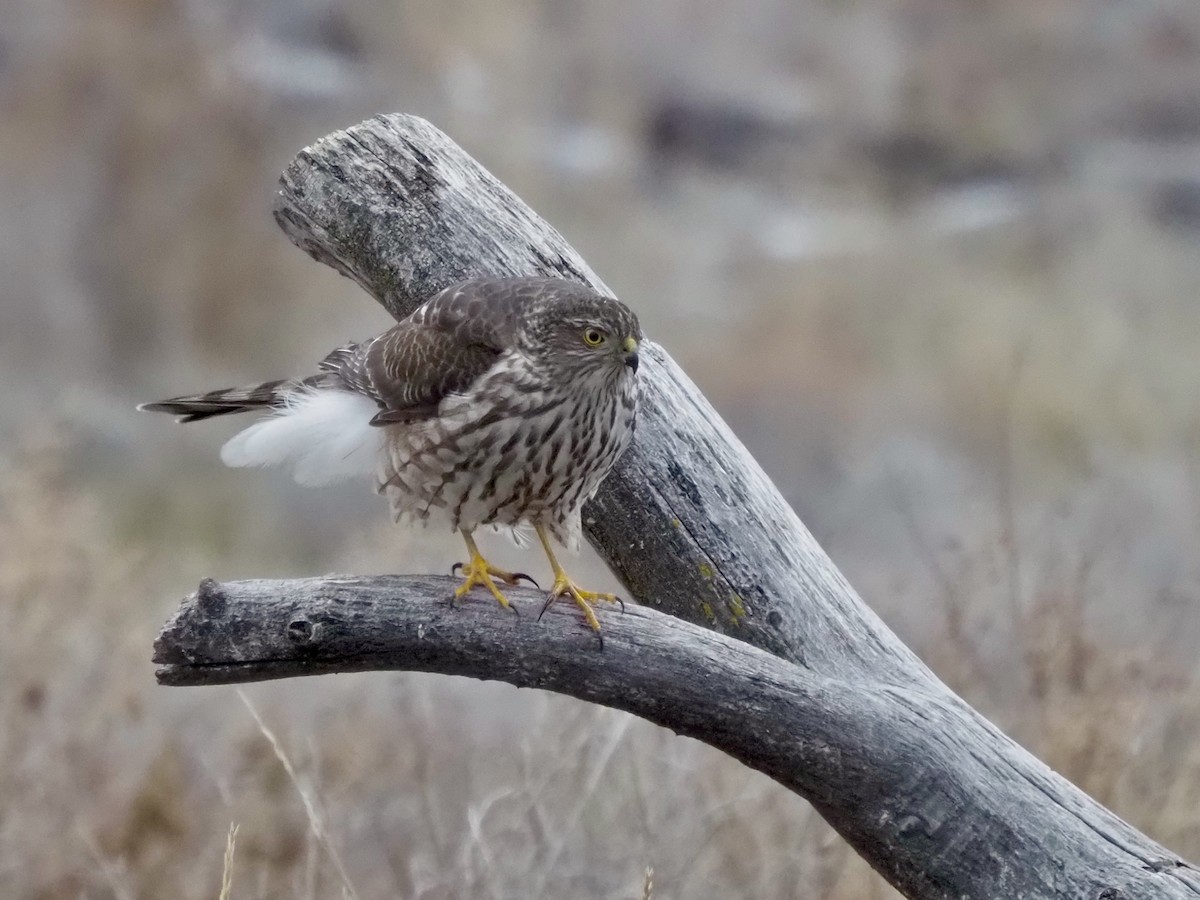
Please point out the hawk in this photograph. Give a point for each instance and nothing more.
(499, 402)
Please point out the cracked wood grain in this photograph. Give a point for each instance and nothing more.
(941, 811)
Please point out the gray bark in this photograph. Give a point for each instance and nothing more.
(792, 673)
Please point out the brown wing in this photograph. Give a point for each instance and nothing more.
(444, 346)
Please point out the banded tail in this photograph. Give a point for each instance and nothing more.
(266, 396)
(316, 426)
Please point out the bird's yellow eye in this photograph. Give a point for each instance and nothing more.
(593, 337)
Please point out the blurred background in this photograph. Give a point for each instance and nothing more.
(938, 267)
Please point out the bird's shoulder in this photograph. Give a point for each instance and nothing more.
(491, 310)
(442, 348)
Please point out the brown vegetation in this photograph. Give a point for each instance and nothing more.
(991, 422)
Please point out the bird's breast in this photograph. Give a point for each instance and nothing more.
(511, 453)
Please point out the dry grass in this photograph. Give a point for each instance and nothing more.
(227, 866)
(430, 787)
(316, 820)
(995, 432)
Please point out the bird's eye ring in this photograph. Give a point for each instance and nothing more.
(593, 337)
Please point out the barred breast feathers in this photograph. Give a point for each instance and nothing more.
(324, 435)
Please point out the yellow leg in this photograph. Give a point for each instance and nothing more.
(564, 586)
(479, 571)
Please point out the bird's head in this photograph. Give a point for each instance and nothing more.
(586, 333)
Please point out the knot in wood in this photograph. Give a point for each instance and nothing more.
(913, 824)
(300, 630)
(1163, 865)
(211, 599)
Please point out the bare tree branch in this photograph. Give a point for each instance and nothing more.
(792, 673)
(891, 750)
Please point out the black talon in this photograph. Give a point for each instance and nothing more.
(599, 634)
(621, 602)
(517, 576)
(454, 568)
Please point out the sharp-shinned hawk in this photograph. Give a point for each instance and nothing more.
(501, 402)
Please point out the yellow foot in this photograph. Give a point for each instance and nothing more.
(479, 571)
(565, 587)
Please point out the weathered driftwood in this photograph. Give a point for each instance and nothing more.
(837, 708)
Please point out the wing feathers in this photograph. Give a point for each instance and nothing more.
(442, 348)
(195, 407)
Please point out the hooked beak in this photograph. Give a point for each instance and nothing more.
(630, 348)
